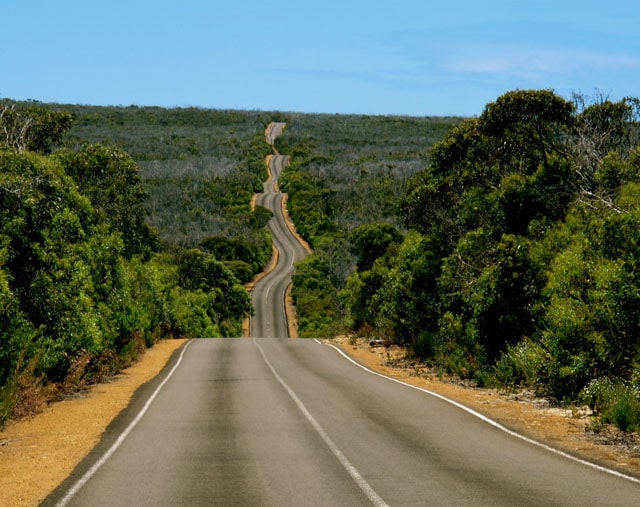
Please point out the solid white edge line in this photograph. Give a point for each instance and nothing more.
(488, 420)
(351, 470)
(121, 438)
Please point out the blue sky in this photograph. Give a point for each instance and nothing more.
(415, 57)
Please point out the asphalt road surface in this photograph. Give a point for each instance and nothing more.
(277, 422)
(268, 295)
(270, 421)
(274, 130)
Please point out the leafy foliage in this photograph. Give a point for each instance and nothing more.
(110, 179)
(527, 221)
(371, 241)
(83, 285)
(31, 128)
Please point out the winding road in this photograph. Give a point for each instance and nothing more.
(268, 294)
(269, 421)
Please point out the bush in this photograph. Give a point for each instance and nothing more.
(615, 402)
(189, 315)
(425, 345)
(521, 364)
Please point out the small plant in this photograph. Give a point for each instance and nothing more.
(521, 364)
(598, 394)
(615, 402)
(425, 345)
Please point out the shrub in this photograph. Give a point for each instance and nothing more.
(521, 364)
(425, 344)
(614, 401)
(189, 315)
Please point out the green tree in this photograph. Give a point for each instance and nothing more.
(32, 128)
(603, 127)
(199, 271)
(371, 241)
(111, 180)
(521, 133)
(315, 287)
(527, 126)
(16, 333)
(359, 296)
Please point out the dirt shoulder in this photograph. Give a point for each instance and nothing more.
(37, 454)
(570, 430)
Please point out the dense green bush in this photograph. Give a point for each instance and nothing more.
(521, 364)
(529, 269)
(614, 401)
(314, 293)
(83, 287)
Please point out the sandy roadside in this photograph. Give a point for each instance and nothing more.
(565, 429)
(37, 454)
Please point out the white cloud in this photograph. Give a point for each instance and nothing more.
(530, 62)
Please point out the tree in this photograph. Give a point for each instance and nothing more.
(370, 241)
(199, 271)
(111, 180)
(527, 126)
(32, 128)
(512, 156)
(16, 333)
(603, 141)
(602, 127)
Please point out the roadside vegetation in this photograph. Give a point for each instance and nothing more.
(501, 249)
(519, 262)
(346, 171)
(102, 254)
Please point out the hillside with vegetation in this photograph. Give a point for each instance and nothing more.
(512, 260)
(502, 249)
(120, 227)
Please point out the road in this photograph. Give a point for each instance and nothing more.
(271, 421)
(274, 130)
(268, 294)
(274, 422)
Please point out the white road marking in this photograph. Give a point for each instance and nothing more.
(105, 457)
(487, 420)
(351, 470)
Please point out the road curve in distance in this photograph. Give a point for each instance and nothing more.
(268, 294)
(274, 130)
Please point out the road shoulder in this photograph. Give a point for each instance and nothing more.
(565, 429)
(37, 454)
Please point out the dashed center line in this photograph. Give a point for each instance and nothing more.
(351, 470)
